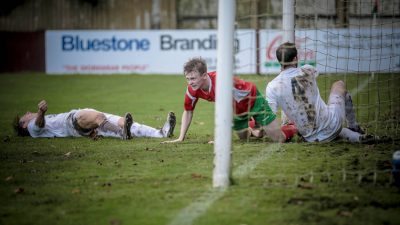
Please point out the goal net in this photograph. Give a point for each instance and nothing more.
(357, 41)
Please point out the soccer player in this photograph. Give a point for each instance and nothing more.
(87, 122)
(247, 103)
(295, 90)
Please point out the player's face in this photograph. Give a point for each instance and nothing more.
(196, 80)
(26, 118)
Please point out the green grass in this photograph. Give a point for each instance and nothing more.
(109, 181)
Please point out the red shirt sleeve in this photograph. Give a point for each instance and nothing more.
(190, 99)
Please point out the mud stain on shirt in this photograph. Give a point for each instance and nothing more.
(299, 86)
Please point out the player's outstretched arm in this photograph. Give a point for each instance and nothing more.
(186, 120)
(42, 108)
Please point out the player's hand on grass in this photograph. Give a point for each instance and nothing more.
(172, 141)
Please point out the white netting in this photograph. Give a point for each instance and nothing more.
(357, 41)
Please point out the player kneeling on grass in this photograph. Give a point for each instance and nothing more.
(295, 90)
(87, 123)
(247, 103)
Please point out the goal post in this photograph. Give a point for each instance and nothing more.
(288, 21)
(224, 87)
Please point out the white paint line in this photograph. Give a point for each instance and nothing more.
(197, 208)
(361, 86)
(253, 162)
(187, 215)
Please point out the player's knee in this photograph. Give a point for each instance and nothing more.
(339, 84)
(339, 87)
(99, 118)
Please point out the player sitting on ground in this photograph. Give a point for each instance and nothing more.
(247, 103)
(87, 122)
(295, 90)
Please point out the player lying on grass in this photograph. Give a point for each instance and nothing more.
(295, 90)
(87, 123)
(247, 103)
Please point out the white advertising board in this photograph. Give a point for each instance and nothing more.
(143, 52)
(337, 50)
(165, 51)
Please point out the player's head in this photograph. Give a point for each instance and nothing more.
(195, 71)
(287, 54)
(198, 65)
(20, 126)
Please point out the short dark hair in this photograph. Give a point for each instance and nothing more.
(286, 53)
(195, 64)
(23, 132)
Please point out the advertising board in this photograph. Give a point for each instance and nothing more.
(165, 51)
(337, 50)
(143, 52)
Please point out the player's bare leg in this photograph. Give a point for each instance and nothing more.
(341, 99)
(91, 119)
(339, 88)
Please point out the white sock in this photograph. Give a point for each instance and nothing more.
(108, 128)
(350, 135)
(140, 130)
(108, 134)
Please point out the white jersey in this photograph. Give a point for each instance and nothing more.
(295, 90)
(61, 125)
(56, 125)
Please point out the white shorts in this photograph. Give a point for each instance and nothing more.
(336, 105)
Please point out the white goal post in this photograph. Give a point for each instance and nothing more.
(223, 101)
(224, 84)
(288, 21)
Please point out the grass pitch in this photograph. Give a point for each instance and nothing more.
(140, 181)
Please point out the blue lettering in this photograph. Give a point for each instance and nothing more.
(113, 43)
(106, 45)
(96, 44)
(122, 44)
(76, 43)
(145, 44)
(67, 43)
(166, 42)
(169, 43)
(82, 44)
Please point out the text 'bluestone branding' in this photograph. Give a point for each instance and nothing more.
(76, 43)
